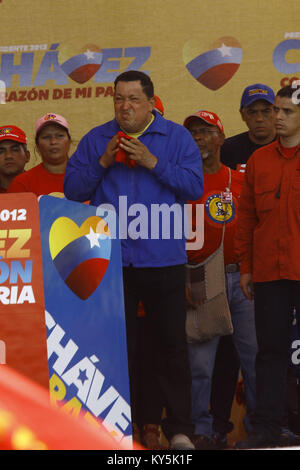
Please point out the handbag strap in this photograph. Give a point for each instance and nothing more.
(226, 205)
(212, 255)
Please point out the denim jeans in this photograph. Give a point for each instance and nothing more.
(202, 358)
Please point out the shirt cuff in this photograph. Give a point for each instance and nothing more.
(159, 167)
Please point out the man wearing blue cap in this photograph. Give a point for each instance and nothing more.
(257, 112)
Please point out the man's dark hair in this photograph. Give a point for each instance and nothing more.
(288, 91)
(136, 75)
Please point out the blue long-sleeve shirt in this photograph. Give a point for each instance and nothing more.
(176, 178)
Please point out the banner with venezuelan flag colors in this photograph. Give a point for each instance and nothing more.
(86, 338)
(200, 55)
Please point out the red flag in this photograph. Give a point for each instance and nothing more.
(29, 422)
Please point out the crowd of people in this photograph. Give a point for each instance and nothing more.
(249, 185)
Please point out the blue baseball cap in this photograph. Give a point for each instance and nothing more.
(256, 92)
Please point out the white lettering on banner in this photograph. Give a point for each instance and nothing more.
(24, 48)
(64, 354)
(98, 403)
(292, 35)
(89, 382)
(82, 380)
(119, 415)
(13, 295)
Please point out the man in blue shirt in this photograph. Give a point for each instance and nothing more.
(156, 166)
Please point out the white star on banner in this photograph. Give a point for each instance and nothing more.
(89, 54)
(225, 50)
(93, 238)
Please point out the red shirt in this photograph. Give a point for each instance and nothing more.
(268, 229)
(37, 180)
(215, 212)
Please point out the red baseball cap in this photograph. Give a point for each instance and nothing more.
(50, 118)
(13, 133)
(206, 116)
(158, 105)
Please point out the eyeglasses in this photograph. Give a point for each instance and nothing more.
(203, 131)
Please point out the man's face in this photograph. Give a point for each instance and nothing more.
(287, 117)
(13, 158)
(208, 138)
(259, 117)
(133, 109)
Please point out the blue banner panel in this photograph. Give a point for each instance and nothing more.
(85, 319)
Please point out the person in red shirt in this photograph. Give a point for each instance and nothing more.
(267, 245)
(53, 142)
(256, 111)
(13, 154)
(208, 132)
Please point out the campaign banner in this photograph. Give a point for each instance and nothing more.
(85, 320)
(197, 59)
(22, 308)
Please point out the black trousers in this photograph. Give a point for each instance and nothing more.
(224, 382)
(274, 302)
(157, 351)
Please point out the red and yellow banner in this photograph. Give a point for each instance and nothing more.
(22, 310)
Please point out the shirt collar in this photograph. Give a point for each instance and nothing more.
(279, 149)
(158, 126)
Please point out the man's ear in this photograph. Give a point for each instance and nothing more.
(27, 153)
(242, 113)
(222, 138)
(152, 102)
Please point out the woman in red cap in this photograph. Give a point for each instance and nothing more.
(53, 142)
